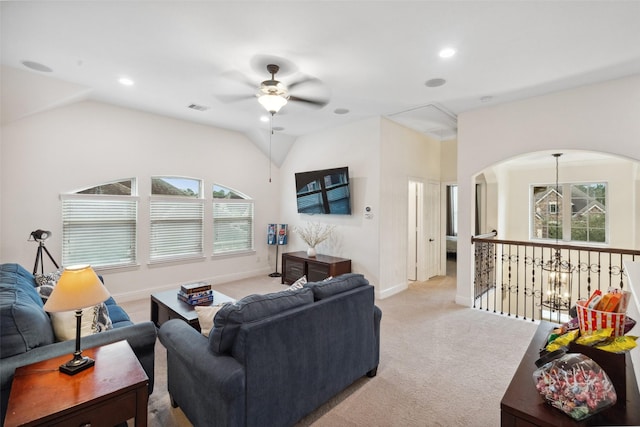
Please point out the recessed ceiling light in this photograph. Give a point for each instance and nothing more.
(125, 81)
(435, 82)
(447, 52)
(341, 111)
(278, 128)
(36, 66)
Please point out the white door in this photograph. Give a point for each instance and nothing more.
(432, 229)
(415, 246)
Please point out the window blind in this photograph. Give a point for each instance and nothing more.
(232, 226)
(176, 229)
(99, 230)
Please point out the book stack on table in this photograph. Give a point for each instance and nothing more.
(196, 293)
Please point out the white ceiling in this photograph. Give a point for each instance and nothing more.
(372, 57)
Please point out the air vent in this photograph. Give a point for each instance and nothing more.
(198, 107)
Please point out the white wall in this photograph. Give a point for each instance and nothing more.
(356, 146)
(621, 184)
(633, 311)
(405, 154)
(381, 156)
(601, 117)
(449, 161)
(90, 143)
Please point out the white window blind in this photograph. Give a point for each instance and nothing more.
(99, 230)
(176, 228)
(232, 225)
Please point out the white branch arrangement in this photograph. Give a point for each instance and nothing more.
(314, 233)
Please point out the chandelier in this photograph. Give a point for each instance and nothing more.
(558, 294)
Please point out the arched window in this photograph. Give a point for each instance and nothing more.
(177, 212)
(232, 221)
(99, 225)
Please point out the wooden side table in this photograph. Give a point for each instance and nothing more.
(113, 391)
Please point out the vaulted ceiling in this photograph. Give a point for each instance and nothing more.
(364, 58)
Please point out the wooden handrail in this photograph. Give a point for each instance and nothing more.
(482, 239)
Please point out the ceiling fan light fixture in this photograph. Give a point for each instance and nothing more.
(272, 103)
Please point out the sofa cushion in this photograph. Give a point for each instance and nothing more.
(23, 322)
(253, 307)
(16, 275)
(336, 285)
(116, 313)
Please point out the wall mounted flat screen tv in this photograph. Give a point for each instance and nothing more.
(324, 191)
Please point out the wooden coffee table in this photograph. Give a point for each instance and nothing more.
(166, 306)
(111, 392)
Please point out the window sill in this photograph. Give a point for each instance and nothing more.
(176, 261)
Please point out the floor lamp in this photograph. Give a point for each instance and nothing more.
(40, 236)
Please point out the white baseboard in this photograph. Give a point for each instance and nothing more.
(146, 292)
(392, 291)
(464, 300)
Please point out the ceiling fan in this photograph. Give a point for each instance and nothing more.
(272, 94)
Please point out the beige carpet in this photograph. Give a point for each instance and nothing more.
(441, 364)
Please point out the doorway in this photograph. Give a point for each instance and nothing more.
(423, 229)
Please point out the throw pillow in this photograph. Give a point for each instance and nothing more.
(47, 278)
(205, 317)
(64, 323)
(94, 319)
(298, 284)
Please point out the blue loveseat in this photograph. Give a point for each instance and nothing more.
(26, 332)
(272, 359)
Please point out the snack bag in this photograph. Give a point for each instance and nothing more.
(619, 344)
(562, 340)
(594, 337)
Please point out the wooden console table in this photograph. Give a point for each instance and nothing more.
(298, 264)
(111, 392)
(523, 406)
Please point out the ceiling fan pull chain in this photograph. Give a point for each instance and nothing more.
(270, 135)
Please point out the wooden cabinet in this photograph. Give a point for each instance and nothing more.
(298, 264)
(522, 405)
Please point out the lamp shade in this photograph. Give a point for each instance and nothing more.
(272, 103)
(77, 288)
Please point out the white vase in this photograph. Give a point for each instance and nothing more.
(311, 252)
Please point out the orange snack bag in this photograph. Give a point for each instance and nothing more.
(612, 303)
(604, 301)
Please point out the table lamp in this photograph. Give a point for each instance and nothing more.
(77, 288)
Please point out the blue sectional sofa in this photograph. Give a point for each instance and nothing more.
(26, 332)
(272, 359)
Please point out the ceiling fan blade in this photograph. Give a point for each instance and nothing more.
(234, 98)
(313, 102)
(304, 80)
(237, 76)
